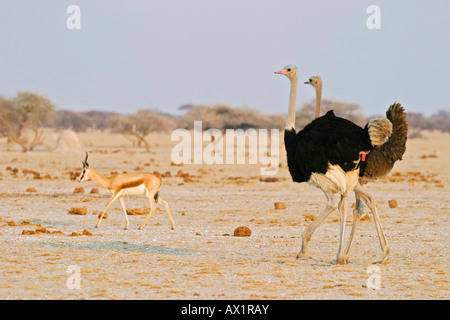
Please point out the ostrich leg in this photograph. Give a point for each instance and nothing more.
(370, 202)
(307, 234)
(342, 257)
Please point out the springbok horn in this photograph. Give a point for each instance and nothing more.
(85, 164)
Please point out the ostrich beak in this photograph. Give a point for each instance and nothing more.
(281, 72)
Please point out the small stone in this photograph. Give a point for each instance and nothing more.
(280, 206)
(78, 211)
(242, 232)
(41, 230)
(393, 203)
(78, 190)
(86, 233)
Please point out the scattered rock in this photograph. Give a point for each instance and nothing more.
(269, 179)
(157, 173)
(428, 156)
(242, 232)
(31, 189)
(280, 206)
(41, 230)
(86, 233)
(78, 211)
(310, 218)
(392, 203)
(73, 175)
(95, 190)
(187, 179)
(138, 211)
(78, 190)
(105, 216)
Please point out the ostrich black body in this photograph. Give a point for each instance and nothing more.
(326, 140)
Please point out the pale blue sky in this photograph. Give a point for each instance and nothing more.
(160, 54)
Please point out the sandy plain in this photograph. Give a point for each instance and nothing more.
(201, 259)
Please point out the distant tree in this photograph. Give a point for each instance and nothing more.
(442, 114)
(100, 119)
(76, 121)
(141, 124)
(224, 117)
(7, 117)
(345, 110)
(439, 121)
(25, 111)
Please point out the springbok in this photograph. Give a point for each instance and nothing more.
(127, 184)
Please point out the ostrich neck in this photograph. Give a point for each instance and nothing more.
(318, 100)
(292, 100)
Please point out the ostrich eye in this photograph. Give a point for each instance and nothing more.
(289, 69)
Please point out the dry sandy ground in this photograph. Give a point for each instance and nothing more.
(201, 259)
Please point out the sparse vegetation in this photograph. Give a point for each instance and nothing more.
(224, 117)
(25, 111)
(32, 112)
(138, 126)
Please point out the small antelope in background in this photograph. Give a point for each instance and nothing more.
(127, 184)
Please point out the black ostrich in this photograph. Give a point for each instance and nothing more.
(328, 154)
(379, 163)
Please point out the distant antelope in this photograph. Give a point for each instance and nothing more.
(127, 184)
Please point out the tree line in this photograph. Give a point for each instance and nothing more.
(35, 112)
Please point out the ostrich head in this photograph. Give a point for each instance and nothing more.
(289, 71)
(314, 81)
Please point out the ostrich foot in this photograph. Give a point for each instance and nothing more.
(303, 255)
(342, 260)
(385, 260)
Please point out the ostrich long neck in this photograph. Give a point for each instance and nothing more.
(318, 99)
(291, 116)
(99, 179)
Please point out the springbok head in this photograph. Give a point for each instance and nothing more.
(84, 176)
